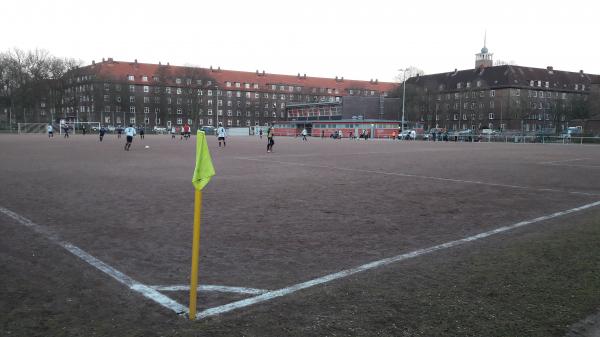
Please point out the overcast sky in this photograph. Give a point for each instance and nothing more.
(354, 39)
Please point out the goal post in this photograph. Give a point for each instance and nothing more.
(89, 126)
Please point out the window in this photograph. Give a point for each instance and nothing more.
(146, 110)
(247, 85)
(179, 111)
(132, 88)
(190, 121)
(209, 92)
(178, 81)
(131, 77)
(491, 115)
(255, 86)
(531, 83)
(179, 121)
(458, 85)
(200, 121)
(157, 110)
(132, 109)
(491, 104)
(468, 84)
(492, 93)
(106, 98)
(229, 113)
(517, 92)
(131, 120)
(209, 112)
(168, 90)
(238, 84)
(144, 78)
(131, 99)
(547, 84)
(147, 99)
(155, 78)
(178, 91)
(179, 100)
(147, 120)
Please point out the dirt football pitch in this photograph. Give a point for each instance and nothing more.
(318, 238)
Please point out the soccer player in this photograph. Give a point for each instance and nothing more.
(221, 134)
(141, 132)
(270, 139)
(173, 132)
(102, 132)
(129, 132)
(50, 131)
(119, 131)
(66, 129)
(304, 133)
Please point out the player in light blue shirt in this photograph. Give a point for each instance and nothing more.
(129, 132)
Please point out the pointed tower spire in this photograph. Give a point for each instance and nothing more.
(484, 59)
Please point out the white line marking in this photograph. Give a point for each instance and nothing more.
(110, 271)
(421, 176)
(223, 289)
(376, 264)
(561, 161)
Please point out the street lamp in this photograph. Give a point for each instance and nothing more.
(403, 94)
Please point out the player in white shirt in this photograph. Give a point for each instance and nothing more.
(221, 134)
(129, 132)
(50, 131)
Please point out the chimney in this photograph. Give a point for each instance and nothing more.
(371, 81)
(304, 75)
(211, 68)
(135, 61)
(219, 68)
(103, 59)
(581, 71)
(298, 75)
(336, 78)
(110, 59)
(550, 68)
(93, 62)
(168, 64)
(257, 74)
(342, 78)
(159, 63)
(263, 73)
(376, 81)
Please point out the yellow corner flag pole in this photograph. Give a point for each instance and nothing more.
(202, 173)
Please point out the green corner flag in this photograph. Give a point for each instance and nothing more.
(204, 167)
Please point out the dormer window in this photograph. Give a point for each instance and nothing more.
(458, 85)
(131, 77)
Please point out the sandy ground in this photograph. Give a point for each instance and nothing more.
(270, 221)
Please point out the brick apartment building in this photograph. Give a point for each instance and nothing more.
(118, 93)
(506, 97)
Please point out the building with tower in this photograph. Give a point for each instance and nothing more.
(505, 98)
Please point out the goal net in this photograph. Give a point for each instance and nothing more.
(87, 127)
(32, 127)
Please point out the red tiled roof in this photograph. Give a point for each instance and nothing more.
(118, 71)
